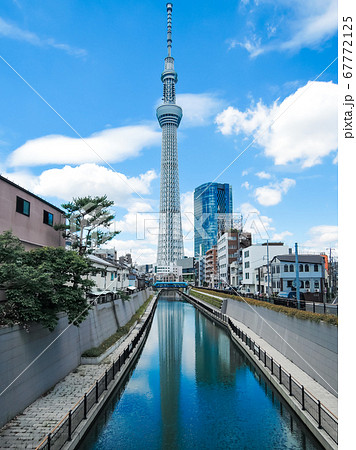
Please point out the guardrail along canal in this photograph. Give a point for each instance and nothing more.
(193, 388)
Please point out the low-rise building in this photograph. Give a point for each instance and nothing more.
(188, 269)
(258, 255)
(311, 272)
(29, 217)
(172, 272)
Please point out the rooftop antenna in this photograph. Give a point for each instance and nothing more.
(169, 27)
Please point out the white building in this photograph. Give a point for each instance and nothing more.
(311, 273)
(109, 279)
(172, 272)
(227, 253)
(257, 255)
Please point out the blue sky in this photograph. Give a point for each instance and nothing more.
(248, 72)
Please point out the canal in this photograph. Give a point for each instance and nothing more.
(193, 388)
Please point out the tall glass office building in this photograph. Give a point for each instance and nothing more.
(212, 214)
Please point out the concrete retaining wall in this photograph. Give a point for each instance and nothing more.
(19, 350)
(312, 346)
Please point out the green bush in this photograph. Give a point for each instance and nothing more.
(291, 312)
(205, 298)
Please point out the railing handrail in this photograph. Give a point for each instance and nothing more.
(248, 339)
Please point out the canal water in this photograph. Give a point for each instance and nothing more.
(192, 388)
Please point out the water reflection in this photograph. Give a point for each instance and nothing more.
(170, 338)
(193, 388)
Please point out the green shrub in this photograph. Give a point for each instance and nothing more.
(291, 312)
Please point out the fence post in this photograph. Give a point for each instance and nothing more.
(49, 441)
(113, 370)
(70, 425)
(85, 406)
(265, 359)
(290, 384)
(313, 307)
(96, 391)
(280, 374)
(259, 353)
(106, 380)
(303, 406)
(319, 414)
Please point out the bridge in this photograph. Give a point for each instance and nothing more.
(170, 284)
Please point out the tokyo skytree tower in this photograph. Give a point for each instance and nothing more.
(170, 240)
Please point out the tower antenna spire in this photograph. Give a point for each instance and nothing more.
(169, 27)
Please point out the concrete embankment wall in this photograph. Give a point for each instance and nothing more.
(19, 350)
(312, 346)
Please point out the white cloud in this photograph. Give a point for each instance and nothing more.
(246, 185)
(272, 194)
(321, 238)
(110, 145)
(86, 179)
(263, 175)
(199, 109)
(304, 24)
(280, 237)
(301, 129)
(12, 31)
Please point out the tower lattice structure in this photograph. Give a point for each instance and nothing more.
(169, 115)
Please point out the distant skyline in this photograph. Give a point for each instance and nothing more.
(257, 82)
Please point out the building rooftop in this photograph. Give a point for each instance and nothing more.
(6, 180)
(312, 259)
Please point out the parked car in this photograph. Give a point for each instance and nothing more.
(289, 299)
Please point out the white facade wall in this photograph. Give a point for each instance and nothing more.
(256, 256)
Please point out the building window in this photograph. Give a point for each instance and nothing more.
(22, 206)
(286, 267)
(48, 218)
(289, 283)
(247, 254)
(302, 284)
(291, 268)
(316, 284)
(247, 276)
(307, 267)
(307, 284)
(112, 276)
(277, 269)
(247, 265)
(301, 268)
(316, 268)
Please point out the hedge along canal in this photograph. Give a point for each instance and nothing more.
(192, 387)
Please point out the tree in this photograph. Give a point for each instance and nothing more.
(87, 218)
(41, 283)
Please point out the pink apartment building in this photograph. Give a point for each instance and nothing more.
(29, 217)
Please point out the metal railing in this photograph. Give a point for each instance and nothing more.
(63, 432)
(325, 419)
(306, 305)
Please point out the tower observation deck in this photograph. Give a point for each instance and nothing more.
(169, 115)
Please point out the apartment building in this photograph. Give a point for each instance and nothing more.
(29, 217)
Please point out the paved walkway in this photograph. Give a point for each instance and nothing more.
(29, 428)
(326, 398)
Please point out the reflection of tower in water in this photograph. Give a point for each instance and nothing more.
(170, 317)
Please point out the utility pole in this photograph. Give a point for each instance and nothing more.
(268, 291)
(297, 274)
(330, 284)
